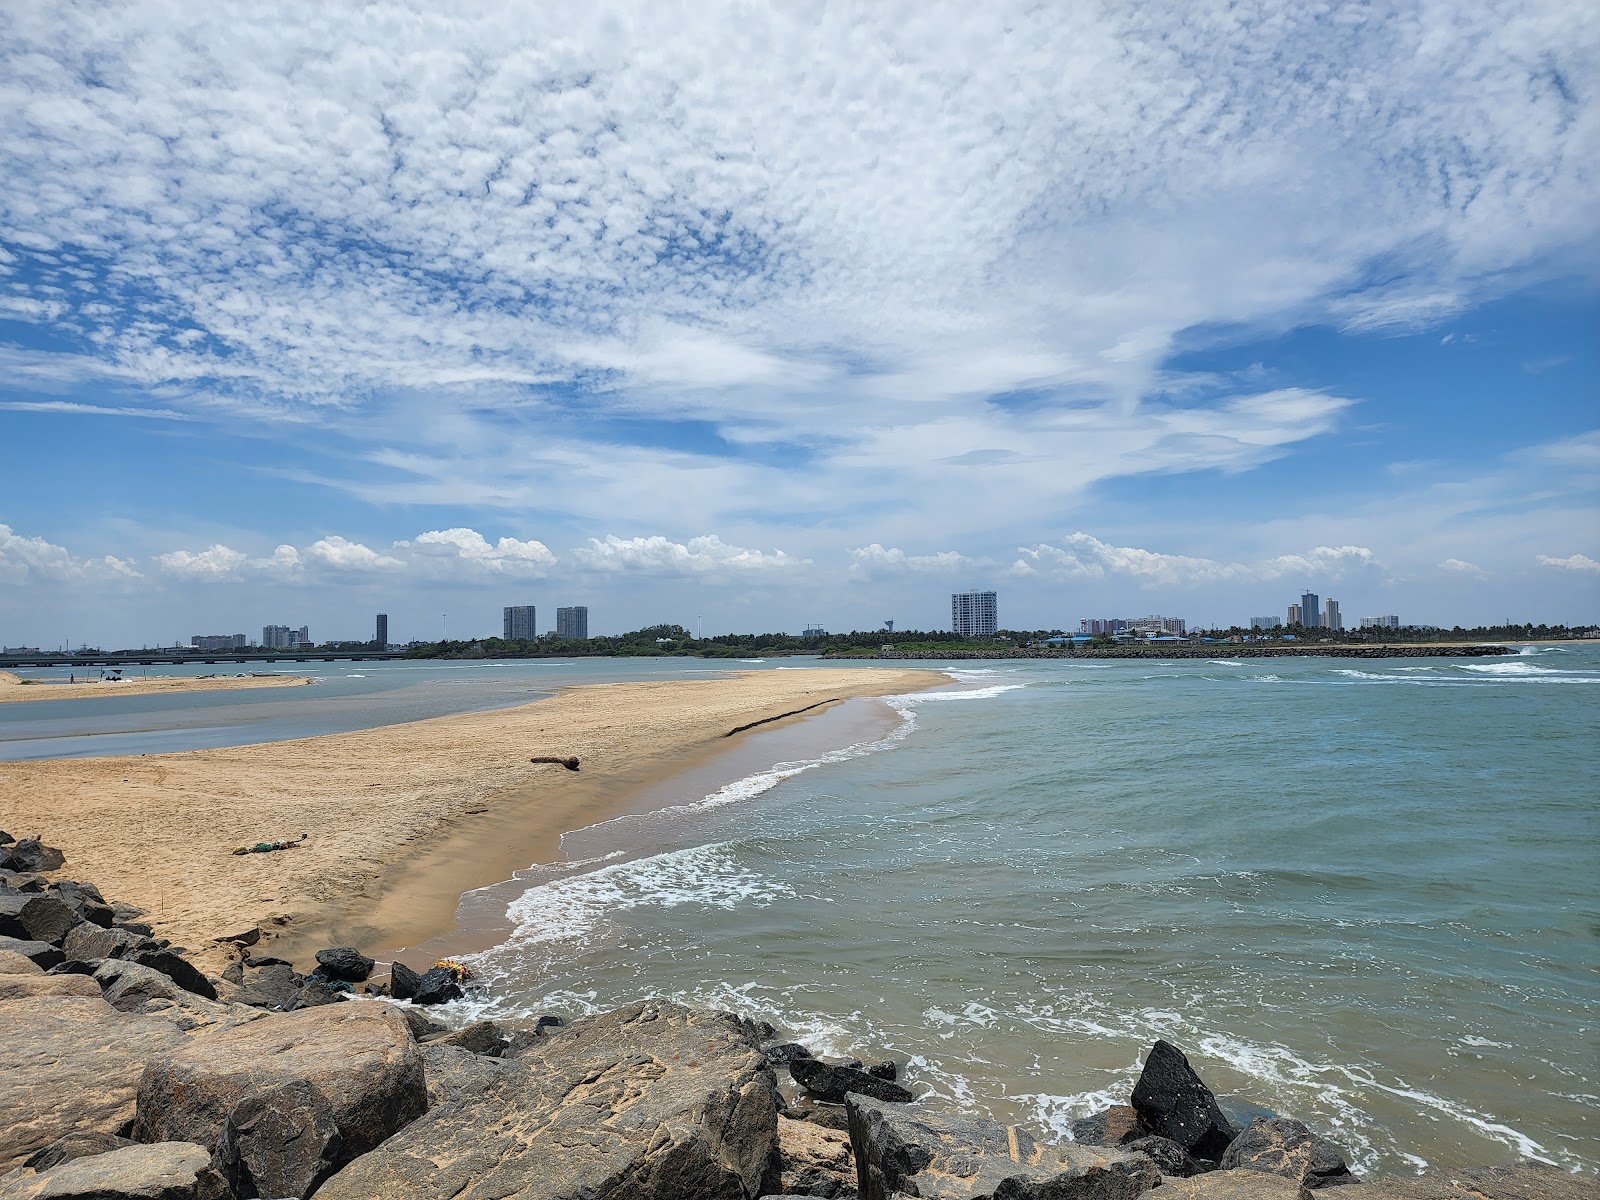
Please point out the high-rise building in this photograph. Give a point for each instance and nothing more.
(1330, 615)
(1157, 624)
(1311, 610)
(275, 637)
(1264, 622)
(218, 641)
(517, 623)
(974, 614)
(1387, 622)
(1102, 625)
(1293, 617)
(381, 636)
(572, 624)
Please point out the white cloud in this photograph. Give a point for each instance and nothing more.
(29, 559)
(700, 555)
(216, 562)
(468, 547)
(345, 555)
(1460, 567)
(876, 560)
(1083, 556)
(1573, 562)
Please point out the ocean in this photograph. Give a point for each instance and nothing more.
(1361, 893)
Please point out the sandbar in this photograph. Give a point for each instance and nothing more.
(15, 689)
(400, 820)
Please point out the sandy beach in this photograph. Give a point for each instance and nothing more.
(399, 820)
(15, 689)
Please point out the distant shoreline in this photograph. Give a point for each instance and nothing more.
(14, 689)
(1224, 650)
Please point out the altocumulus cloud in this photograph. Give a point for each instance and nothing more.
(1083, 556)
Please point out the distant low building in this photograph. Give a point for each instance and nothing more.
(1158, 624)
(218, 641)
(282, 637)
(1098, 625)
(1386, 622)
(814, 631)
(1265, 623)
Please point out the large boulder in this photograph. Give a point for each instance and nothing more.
(1172, 1158)
(1519, 1181)
(453, 1072)
(816, 1161)
(85, 901)
(12, 962)
(363, 1072)
(70, 1062)
(346, 963)
(35, 917)
(651, 1102)
(481, 1037)
(176, 968)
(30, 854)
(833, 1081)
(403, 981)
(86, 942)
(75, 1145)
(130, 987)
(1174, 1103)
(437, 986)
(168, 1171)
(900, 1149)
(1281, 1146)
(1232, 1185)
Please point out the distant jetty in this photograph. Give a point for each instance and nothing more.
(1212, 651)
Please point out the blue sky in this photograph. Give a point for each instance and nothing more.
(766, 319)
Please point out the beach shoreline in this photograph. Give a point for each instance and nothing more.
(16, 690)
(400, 820)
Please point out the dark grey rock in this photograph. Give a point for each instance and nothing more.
(453, 1073)
(85, 901)
(5, 838)
(266, 960)
(30, 854)
(1282, 1146)
(831, 1081)
(176, 968)
(41, 954)
(887, 1069)
(87, 942)
(546, 1023)
(422, 1028)
(359, 1058)
(1114, 1126)
(35, 917)
(482, 1037)
(403, 981)
(283, 1141)
(75, 1145)
(437, 986)
(651, 1102)
(1173, 1103)
(785, 1053)
(273, 986)
(125, 912)
(1172, 1158)
(903, 1150)
(234, 973)
(346, 963)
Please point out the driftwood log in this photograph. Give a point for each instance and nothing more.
(570, 764)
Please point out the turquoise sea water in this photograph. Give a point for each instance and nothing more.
(1360, 893)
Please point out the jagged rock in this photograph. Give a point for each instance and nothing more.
(274, 986)
(13, 962)
(887, 1069)
(41, 954)
(85, 901)
(266, 960)
(21, 881)
(86, 942)
(1172, 1158)
(1281, 1146)
(234, 973)
(831, 1081)
(1174, 1103)
(403, 981)
(358, 1057)
(74, 966)
(248, 937)
(482, 1037)
(176, 968)
(785, 1053)
(437, 986)
(653, 1102)
(380, 990)
(35, 917)
(422, 1028)
(902, 1150)
(280, 1142)
(124, 912)
(319, 990)
(1233, 1185)
(71, 1063)
(1114, 1126)
(75, 1145)
(453, 1072)
(346, 963)
(167, 1171)
(545, 1023)
(130, 987)
(816, 1161)
(1524, 1180)
(30, 854)
(829, 1116)
(5, 838)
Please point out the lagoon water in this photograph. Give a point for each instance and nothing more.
(1363, 893)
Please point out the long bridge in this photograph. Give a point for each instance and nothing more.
(138, 658)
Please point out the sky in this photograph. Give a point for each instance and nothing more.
(752, 317)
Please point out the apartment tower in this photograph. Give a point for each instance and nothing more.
(572, 624)
(973, 614)
(517, 622)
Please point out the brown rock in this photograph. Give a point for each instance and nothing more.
(816, 1161)
(1281, 1146)
(1233, 1185)
(651, 1102)
(14, 963)
(1519, 1181)
(70, 1061)
(1114, 1126)
(167, 1171)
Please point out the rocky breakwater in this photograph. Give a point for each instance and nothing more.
(128, 1075)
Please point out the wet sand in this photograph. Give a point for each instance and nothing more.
(400, 820)
(15, 689)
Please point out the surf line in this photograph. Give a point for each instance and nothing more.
(779, 717)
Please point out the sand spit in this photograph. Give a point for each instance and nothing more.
(15, 689)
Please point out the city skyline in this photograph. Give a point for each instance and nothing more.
(1113, 309)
